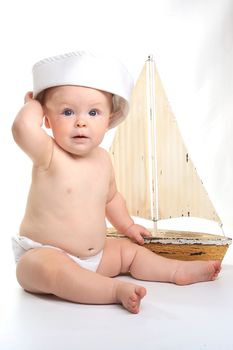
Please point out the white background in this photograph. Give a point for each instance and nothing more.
(192, 43)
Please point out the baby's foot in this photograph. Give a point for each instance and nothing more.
(130, 295)
(188, 272)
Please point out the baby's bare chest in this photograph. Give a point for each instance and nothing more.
(74, 180)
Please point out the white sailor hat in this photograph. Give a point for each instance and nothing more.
(89, 70)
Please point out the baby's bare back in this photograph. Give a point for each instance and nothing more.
(66, 203)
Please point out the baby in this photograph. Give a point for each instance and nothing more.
(62, 248)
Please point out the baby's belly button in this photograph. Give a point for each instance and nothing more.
(90, 252)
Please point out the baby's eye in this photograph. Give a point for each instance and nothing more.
(93, 113)
(68, 112)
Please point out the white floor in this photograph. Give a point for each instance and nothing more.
(198, 316)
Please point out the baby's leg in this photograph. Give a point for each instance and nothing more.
(50, 271)
(146, 265)
(150, 266)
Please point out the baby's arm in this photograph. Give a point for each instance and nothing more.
(118, 215)
(28, 133)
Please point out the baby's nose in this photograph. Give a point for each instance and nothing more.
(80, 123)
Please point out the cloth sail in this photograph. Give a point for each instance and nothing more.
(153, 168)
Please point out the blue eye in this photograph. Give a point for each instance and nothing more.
(68, 112)
(93, 113)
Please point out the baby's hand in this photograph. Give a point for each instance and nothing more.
(137, 232)
(32, 107)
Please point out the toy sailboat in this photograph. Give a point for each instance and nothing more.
(157, 178)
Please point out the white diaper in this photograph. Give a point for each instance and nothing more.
(22, 244)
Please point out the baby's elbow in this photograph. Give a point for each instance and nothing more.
(15, 130)
(109, 200)
(115, 198)
(18, 130)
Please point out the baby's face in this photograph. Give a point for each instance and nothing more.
(78, 116)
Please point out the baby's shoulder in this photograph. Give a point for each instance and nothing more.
(101, 152)
(104, 157)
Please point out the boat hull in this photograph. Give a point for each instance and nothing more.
(188, 252)
(185, 245)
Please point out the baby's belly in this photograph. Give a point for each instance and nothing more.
(80, 237)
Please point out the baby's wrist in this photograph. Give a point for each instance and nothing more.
(128, 228)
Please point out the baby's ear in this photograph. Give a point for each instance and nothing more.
(46, 123)
(110, 120)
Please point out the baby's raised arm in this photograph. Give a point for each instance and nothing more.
(28, 133)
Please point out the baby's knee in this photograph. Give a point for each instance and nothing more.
(33, 272)
(128, 252)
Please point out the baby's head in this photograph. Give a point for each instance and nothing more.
(87, 70)
(78, 116)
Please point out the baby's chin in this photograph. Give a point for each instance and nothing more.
(79, 151)
(79, 147)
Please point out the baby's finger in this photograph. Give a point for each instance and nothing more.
(139, 239)
(28, 97)
(146, 233)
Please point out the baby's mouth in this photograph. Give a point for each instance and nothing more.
(79, 137)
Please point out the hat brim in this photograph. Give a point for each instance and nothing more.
(88, 70)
